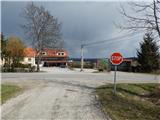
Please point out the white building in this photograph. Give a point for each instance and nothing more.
(29, 57)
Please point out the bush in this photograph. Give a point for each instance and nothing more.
(20, 65)
(33, 69)
(103, 65)
(19, 68)
(70, 67)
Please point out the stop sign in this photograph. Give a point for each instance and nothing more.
(116, 58)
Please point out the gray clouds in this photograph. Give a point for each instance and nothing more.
(81, 22)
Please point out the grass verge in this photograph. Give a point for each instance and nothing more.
(8, 91)
(131, 102)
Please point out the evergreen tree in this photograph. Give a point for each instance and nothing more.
(148, 54)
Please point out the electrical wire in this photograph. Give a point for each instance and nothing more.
(115, 39)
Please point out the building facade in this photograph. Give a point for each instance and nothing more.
(53, 57)
(50, 57)
(29, 57)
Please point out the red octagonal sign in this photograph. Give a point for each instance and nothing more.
(116, 58)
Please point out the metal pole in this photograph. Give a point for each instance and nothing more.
(82, 57)
(115, 70)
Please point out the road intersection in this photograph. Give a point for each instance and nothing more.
(62, 94)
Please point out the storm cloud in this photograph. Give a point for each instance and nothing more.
(82, 22)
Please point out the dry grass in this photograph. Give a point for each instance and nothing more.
(132, 101)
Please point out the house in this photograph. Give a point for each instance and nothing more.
(29, 57)
(50, 57)
(54, 57)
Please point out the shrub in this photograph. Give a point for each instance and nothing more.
(103, 65)
(33, 69)
(18, 68)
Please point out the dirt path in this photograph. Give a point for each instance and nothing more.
(53, 101)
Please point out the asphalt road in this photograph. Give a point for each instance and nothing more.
(86, 77)
(61, 94)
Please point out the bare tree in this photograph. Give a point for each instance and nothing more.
(146, 17)
(41, 28)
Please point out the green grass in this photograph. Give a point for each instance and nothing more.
(131, 102)
(8, 91)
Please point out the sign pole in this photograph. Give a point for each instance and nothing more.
(115, 70)
(116, 59)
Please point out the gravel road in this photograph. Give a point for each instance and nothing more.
(53, 101)
(62, 95)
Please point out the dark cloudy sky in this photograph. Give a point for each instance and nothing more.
(82, 22)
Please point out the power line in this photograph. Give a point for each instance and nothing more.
(115, 39)
(107, 42)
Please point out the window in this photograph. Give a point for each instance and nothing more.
(61, 53)
(29, 59)
(44, 53)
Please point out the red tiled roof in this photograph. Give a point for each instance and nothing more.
(54, 53)
(29, 52)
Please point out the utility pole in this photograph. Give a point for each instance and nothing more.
(111, 40)
(82, 57)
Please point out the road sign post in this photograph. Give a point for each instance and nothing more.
(116, 59)
(115, 70)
